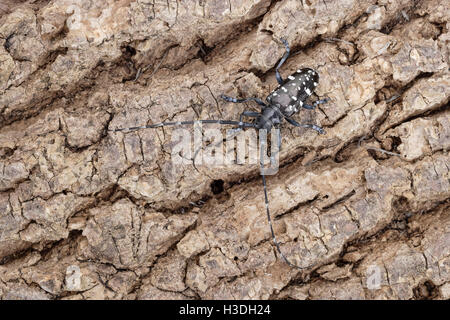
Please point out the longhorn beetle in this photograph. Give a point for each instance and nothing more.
(282, 103)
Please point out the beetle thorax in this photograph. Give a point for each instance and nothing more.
(269, 118)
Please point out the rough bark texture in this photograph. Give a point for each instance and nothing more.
(90, 214)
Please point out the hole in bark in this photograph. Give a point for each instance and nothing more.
(130, 51)
(6, 152)
(375, 155)
(217, 186)
(401, 205)
(8, 42)
(396, 141)
(127, 68)
(342, 155)
(204, 49)
(425, 291)
(340, 263)
(386, 94)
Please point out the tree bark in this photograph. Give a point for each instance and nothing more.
(89, 213)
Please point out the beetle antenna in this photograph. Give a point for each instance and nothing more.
(266, 200)
(180, 123)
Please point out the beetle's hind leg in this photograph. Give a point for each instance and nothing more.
(315, 104)
(310, 126)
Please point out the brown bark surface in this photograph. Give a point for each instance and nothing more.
(86, 213)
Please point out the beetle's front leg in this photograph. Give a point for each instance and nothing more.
(235, 100)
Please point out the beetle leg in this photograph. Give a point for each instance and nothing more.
(234, 100)
(307, 125)
(315, 104)
(283, 59)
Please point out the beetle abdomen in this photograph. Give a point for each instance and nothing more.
(293, 93)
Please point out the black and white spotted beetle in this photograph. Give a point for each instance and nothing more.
(282, 103)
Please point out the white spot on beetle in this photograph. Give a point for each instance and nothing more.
(291, 78)
(301, 103)
(284, 89)
(308, 92)
(294, 97)
(315, 84)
